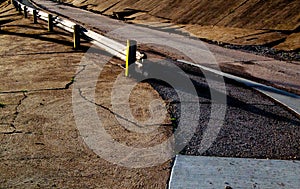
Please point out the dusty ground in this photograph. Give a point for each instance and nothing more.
(40, 144)
(274, 23)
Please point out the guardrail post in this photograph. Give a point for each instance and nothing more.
(25, 12)
(50, 22)
(19, 8)
(15, 4)
(130, 55)
(76, 36)
(34, 16)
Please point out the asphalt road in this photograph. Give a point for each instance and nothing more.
(233, 120)
(25, 2)
(206, 54)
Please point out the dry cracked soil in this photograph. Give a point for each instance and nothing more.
(41, 147)
(40, 144)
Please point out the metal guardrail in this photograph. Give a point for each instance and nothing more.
(113, 47)
(130, 55)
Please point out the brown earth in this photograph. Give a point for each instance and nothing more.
(274, 23)
(40, 144)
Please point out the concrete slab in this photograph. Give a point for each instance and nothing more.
(214, 172)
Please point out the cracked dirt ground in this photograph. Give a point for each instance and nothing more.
(40, 144)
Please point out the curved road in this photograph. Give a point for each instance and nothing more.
(257, 66)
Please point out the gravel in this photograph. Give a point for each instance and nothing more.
(254, 126)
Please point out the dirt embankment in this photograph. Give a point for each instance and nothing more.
(274, 23)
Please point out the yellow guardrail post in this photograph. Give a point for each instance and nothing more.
(130, 55)
(50, 22)
(76, 36)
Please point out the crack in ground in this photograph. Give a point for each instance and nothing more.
(16, 114)
(25, 96)
(118, 115)
(67, 86)
(27, 158)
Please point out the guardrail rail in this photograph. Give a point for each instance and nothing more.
(111, 46)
